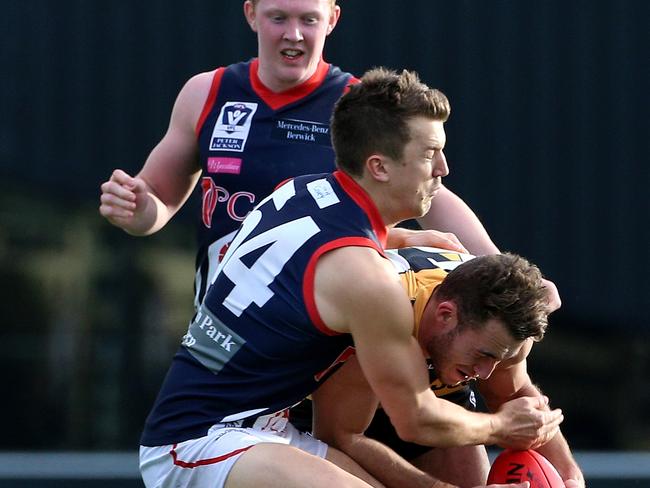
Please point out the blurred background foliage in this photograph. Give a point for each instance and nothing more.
(548, 141)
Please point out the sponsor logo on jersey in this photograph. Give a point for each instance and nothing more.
(224, 165)
(472, 398)
(238, 204)
(302, 131)
(210, 341)
(231, 130)
(322, 192)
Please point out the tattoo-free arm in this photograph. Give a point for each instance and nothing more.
(343, 408)
(511, 380)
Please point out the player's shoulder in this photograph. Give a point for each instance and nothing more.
(192, 97)
(361, 270)
(338, 71)
(196, 89)
(362, 284)
(202, 81)
(348, 79)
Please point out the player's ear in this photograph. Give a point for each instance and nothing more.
(335, 14)
(447, 315)
(249, 13)
(377, 168)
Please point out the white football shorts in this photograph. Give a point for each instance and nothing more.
(205, 462)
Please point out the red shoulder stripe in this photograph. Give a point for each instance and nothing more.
(310, 273)
(362, 199)
(212, 97)
(352, 81)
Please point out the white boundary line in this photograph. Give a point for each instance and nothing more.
(124, 465)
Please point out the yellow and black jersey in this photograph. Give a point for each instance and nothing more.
(422, 269)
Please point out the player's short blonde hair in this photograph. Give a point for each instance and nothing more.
(255, 2)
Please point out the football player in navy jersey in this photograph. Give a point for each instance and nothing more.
(239, 131)
(281, 314)
(449, 321)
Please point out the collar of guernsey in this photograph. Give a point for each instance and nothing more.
(419, 287)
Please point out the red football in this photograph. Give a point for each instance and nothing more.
(519, 466)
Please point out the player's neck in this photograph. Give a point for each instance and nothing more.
(277, 84)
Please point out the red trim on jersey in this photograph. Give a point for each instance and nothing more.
(362, 199)
(204, 462)
(352, 81)
(282, 183)
(310, 273)
(212, 97)
(347, 353)
(278, 100)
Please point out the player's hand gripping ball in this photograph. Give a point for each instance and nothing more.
(519, 466)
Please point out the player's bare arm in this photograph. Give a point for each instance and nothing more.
(343, 409)
(143, 204)
(511, 380)
(379, 316)
(399, 237)
(450, 214)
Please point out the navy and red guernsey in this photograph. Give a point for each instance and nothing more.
(252, 139)
(257, 344)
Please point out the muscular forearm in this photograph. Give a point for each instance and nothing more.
(557, 451)
(444, 424)
(522, 423)
(515, 382)
(399, 237)
(386, 465)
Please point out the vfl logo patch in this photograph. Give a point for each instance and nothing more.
(232, 127)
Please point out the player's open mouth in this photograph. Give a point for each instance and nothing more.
(291, 53)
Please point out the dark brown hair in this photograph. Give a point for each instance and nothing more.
(505, 287)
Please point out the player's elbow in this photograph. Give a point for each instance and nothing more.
(407, 427)
(334, 436)
(346, 442)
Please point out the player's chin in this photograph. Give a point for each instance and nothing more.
(453, 379)
(425, 206)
